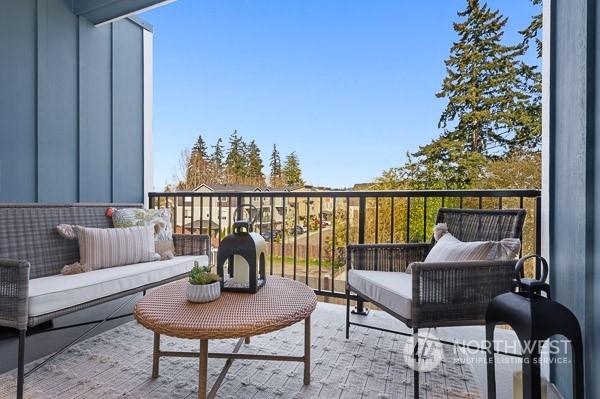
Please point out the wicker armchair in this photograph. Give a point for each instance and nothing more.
(435, 294)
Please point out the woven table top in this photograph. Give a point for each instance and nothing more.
(280, 303)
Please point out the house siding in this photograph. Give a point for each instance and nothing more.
(574, 177)
(71, 106)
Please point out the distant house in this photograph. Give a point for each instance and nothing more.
(216, 213)
(312, 205)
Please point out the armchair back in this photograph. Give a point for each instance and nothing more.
(482, 224)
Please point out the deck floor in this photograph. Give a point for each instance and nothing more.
(372, 364)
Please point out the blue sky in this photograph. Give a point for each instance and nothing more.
(349, 85)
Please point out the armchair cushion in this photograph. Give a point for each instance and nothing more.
(390, 289)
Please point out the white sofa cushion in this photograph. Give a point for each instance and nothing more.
(390, 289)
(52, 293)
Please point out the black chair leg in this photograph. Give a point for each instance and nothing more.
(347, 314)
(416, 363)
(491, 369)
(21, 365)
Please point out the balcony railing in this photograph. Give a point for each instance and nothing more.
(307, 231)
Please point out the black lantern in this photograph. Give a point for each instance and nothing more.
(241, 256)
(534, 318)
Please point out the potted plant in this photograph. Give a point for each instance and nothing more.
(203, 286)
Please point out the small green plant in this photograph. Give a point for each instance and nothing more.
(201, 275)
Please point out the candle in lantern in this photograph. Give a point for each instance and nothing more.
(241, 270)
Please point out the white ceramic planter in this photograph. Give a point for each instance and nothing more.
(203, 293)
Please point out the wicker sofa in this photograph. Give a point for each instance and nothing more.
(32, 253)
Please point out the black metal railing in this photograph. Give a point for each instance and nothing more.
(307, 231)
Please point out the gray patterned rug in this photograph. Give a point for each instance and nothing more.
(117, 364)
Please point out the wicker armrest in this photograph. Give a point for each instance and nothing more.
(385, 257)
(189, 244)
(14, 291)
(456, 291)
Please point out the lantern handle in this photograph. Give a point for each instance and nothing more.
(253, 210)
(532, 285)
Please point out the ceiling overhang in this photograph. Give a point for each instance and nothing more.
(100, 12)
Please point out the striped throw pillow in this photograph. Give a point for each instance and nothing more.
(103, 248)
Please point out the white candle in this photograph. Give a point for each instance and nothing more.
(241, 270)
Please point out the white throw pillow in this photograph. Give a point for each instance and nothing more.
(103, 248)
(451, 249)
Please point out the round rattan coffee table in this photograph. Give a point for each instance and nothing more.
(280, 303)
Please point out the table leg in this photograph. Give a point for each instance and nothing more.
(203, 369)
(155, 355)
(307, 351)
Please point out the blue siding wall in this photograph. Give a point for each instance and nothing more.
(575, 179)
(128, 116)
(71, 106)
(18, 144)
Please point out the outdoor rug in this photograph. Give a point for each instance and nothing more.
(372, 364)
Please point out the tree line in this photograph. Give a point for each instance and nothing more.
(240, 163)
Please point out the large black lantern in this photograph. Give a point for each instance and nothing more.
(534, 318)
(241, 256)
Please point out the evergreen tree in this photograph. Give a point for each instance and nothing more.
(200, 147)
(198, 165)
(533, 31)
(216, 161)
(255, 165)
(486, 101)
(292, 174)
(275, 164)
(529, 128)
(235, 162)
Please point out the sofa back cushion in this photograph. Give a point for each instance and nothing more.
(104, 248)
(28, 232)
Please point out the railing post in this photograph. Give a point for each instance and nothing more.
(538, 234)
(362, 206)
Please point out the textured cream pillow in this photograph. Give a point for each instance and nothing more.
(103, 248)
(160, 218)
(451, 249)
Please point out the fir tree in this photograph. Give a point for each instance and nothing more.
(529, 123)
(275, 164)
(235, 162)
(255, 165)
(198, 166)
(533, 31)
(200, 147)
(486, 100)
(292, 174)
(216, 160)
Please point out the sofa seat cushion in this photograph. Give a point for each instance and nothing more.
(53, 293)
(390, 289)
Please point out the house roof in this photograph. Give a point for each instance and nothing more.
(213, 225)
(228, 187)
